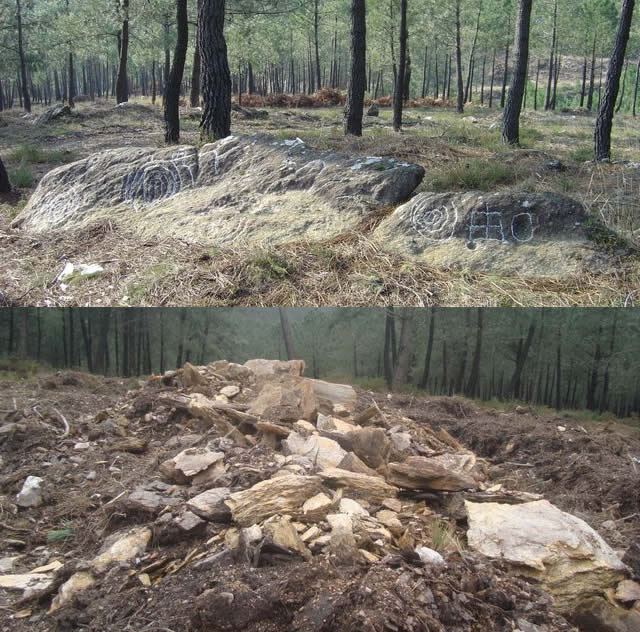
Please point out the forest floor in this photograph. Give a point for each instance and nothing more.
(459, 153)
(589, 469)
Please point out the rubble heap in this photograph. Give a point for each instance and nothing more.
(271, 501)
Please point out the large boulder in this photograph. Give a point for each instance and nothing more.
(248, 190)
(535, 234)
(561, 552)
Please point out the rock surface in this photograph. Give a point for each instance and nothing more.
(30, 495)
(559, 550)
(283, 494)
(419, 472)
(535, 234)
(245, 190)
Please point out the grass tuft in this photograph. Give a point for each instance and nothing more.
(474, 175)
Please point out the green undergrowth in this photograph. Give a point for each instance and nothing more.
(14, 369)
(31, 154)
(472, 175)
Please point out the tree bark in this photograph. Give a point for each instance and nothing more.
(401, 373)
(511, 119)
(592, 75)
(216, 77)
(316, 25)
(5, 184)
(427, 357)
(357, 76)
(287, 336)
(547, 102)
(122, 82)
(195, 73)
(72, 82)
(474, 379)
(172, 90)
(26, 97)
(460, 90)
(398, 91)
(604, 120)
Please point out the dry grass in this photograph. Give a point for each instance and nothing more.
(348, 271)
(351, 270)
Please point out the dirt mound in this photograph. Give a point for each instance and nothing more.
(248, 497)
(592, 470)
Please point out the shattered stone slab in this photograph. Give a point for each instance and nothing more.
(425, 473)
(559, 550)
(371, 488)
(281, 495)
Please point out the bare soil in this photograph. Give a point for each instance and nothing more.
(350, 270)
(588, 469)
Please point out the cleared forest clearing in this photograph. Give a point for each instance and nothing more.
(113, 478)
(458, 154)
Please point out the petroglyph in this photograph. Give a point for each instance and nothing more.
(486, 226)
(522, 227)
(158, 180)
(489, 226)
(438, 224)
(241, 189)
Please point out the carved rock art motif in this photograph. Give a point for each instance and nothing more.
(489, 226)
(438, 224)
(157, 180)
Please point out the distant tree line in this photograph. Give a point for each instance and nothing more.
(506, 52)
(577, 358)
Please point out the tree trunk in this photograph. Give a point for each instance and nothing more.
(467, 90)
(493, 76)
(398, 96)
(5, 184)
(389, 346)
(287, 336)
(72, 82)
(172, 90)
(592, 75)
(427, 358)
(154, 87)
(316, 24)
(26, 97)
(401, 373)
(583, 88)
(624, 85)
(511, 119)
(503, 94)
(216, 77)
(122, 82)
(547, 102)
(460, 89)
(635, 89)
(474, 378)
(195, 74)
(357, 76)
(604, 120)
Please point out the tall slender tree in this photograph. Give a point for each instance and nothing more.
(398, 89)
(511, 118)
(604, 120)
(26, 96)
(358, 74)
(460, 88)
(172, 89)
(122, 81)
(216, 76)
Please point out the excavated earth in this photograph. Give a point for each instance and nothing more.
(191, 574)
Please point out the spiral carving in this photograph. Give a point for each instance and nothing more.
(438, 224)
(156, 181)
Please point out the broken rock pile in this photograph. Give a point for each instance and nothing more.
(268, 479)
